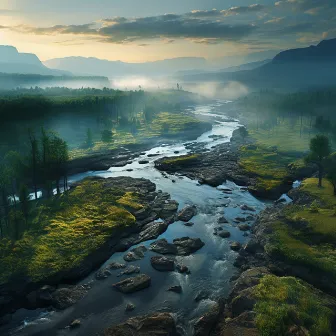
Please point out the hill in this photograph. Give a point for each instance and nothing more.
(12, 61)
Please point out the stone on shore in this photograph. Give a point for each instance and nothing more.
(187, 213)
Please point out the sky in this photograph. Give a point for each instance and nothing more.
(149, 30)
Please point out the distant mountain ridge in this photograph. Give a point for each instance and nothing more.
(12, 61)
(310, 67)
(325, 51)
(95, 66)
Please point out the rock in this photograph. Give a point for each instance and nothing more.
(245, 207)
(189, 224)
(159, 324)
(243, 325)
(244, 227)
(153, 155)
(137, 253)
(240, 219)
(245, 301)
(129, 169)
(222, 220)
(115, 265)
(183, 269)
(163, 247)
(187, 213)
(201, 295)
(249, 218)
(235, 246)
(175, 289)
(205, 324)
(168, 209)
(176, 152)
(75, 324)
(162, 264)
(134, 284)
(186, 246)
(130, 270)
(224, 234)
(102, 274)
(63, 298)
(143, 161)
(173, 181)
(152, 230)
(129, 307)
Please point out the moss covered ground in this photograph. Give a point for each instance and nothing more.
(180, 160)
(307, 234)
(163, 124)
(63, 231)
(288, 304)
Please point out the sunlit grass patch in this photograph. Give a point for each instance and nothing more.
(283, 303)
(180, 160)
(63, 231)
(294, 246)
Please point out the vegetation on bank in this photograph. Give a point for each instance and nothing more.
(307, 234)
(62, 231)
(286, 305)
(180, 160)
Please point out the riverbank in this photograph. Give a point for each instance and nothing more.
(265, 172)
(73, 234)
(288, 281)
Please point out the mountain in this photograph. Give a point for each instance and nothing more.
(11, 61)
(100, 67)
(310, 67)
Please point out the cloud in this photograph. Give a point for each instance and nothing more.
(168, 27)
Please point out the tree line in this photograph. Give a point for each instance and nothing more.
(41, 168)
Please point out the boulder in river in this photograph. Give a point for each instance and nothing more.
(137, 253)
(134, 284)
(205, 323)
(143, 161)
(235, 246)
(244, 227)
(189, 224)
(63, 298)
(222, 220)
(163, 264)
(183, 269)
(187, 213)
(186, 246)
(175, 289)
(130, 270)
(129, 307)
(224, 234)
(163, 247)
(245, 207)
(159, 324)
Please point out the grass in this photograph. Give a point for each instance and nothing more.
(65, 230)
(307, 234)
(269, 166)
(180, 160)
(283, 303)
(163, 124)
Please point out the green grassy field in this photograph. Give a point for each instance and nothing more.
(283, 303)
(63, 231)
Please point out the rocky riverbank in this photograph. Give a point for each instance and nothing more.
(222, 163)
(22, 291)
(122, 156)
(272, 291)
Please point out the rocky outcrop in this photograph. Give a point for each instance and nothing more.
(181, 246)
(158, 205)
(137, 253)
(135, 284)
(187, 213)
(163, 264)
(160, 324)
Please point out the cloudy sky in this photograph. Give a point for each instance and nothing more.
(146, 30)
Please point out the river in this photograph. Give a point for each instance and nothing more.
(211, 267)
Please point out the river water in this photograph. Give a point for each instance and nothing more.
(211, 267)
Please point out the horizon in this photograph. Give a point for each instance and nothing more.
(156, 31)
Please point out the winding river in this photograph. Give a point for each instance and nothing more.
(211, 267)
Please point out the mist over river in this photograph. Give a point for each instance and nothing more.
(211, 267)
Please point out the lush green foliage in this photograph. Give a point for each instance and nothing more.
(283, 303)
(64, 230)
